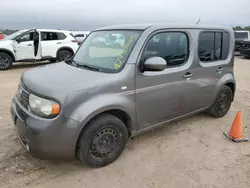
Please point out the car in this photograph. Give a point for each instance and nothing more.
(239, 37)
(113, 40)
(2, 36)
(32, 45)
(245, 48)
(91, 105)
(80, 36)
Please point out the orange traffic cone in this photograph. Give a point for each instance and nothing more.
(235, 133)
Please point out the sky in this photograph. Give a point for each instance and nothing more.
(91, 14)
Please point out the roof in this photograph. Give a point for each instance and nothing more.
(54, 30)
(241, 31)
(162, 25)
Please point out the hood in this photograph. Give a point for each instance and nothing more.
(59, 79)
(246, 41)
(3, 43)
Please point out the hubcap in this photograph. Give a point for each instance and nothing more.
(223, 100)
(104, 142)
(4, 62)
(65, 56)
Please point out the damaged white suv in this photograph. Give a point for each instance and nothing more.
(36, 45)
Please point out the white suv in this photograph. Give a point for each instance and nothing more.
(36, 45)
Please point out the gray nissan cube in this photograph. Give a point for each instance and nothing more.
(122, 81)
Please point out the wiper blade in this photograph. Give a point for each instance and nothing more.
(88, 67)
(69, 61)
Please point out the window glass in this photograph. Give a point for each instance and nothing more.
(225, 45)
(105, 51)
(49, 36)
(61, 36)
(80, 35)
(206, 46)
(213, 46)
(218, 46)
(171, 46)
(27, 37)
(241, 35)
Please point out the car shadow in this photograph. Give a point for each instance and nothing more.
(28, 65)
(21, 162)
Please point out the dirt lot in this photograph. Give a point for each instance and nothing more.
(188, 153)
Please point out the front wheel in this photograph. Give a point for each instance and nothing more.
(102, 141)
(5, 61)
(222, 103)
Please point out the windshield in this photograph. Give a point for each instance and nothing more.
(241, 35)
(14, 35)
(107, 51)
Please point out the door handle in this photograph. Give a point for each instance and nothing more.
(29, 45)
(188, 75)
(58, 43)
(220, 69)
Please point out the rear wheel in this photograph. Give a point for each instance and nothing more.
(64, 55)
(5, 61)
(222, 103)
(102, 141)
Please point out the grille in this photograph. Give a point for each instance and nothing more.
(245, 45)
(23, 97)
(21, 113)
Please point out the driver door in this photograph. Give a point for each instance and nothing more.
(24, 47)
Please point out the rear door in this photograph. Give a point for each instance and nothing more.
(213, 58)
(50, 43)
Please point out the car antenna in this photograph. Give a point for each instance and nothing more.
(198, 21)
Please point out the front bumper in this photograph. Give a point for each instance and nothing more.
(45, 138)
(245, 52)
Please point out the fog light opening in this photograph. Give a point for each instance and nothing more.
(27, 147)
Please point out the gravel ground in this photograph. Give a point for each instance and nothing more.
(186, 154)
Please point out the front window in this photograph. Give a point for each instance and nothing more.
(107, 51)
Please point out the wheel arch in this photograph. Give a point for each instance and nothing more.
(65, 48)
(231, 85)
(120, 106)
(120, 114)
(228, 80)
(9, 53)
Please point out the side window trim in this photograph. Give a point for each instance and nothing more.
(214, 62)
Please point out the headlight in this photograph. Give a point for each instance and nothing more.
(43, 107)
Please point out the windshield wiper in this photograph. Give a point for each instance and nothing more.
(69, 61)
(87, 67)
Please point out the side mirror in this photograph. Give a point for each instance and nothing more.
(155, 64)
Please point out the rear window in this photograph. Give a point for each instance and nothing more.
(241, 35)
(213, 46)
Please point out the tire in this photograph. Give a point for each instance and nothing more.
(247, 57)
(222, 103)
(5, 61)
(53, 60)
(63, 55)
(102, 141)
